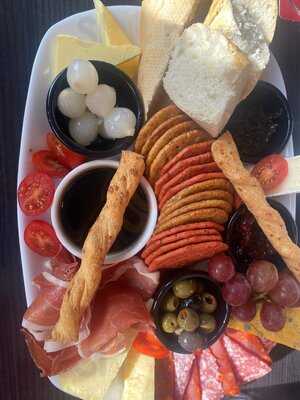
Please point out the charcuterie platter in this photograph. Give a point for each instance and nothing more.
(159, 261)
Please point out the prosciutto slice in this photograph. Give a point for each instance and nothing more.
(133, 273)
(116, 308)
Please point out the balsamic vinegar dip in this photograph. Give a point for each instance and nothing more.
(83, 199)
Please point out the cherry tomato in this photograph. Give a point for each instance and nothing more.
(45, 161)
(67, 157)
(271, 171)
(35, 193)
(147, 343)
(40, 238)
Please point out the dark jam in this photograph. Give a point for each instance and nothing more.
(83, 200)
(249, 243)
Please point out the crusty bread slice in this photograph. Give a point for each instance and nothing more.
(162, 22)
(206, 77)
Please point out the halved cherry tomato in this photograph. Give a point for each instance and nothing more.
(271, 171)
(40, 238)
(45, 161)
(147, 343)
(35, 193)
(67, 157)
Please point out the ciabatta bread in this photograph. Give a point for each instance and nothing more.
(206, 77)
(162, 22)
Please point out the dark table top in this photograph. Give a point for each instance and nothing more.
(22, 26)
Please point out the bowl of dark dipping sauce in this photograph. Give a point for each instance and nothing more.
(262, 123)
(247, 242)
(79, 199)
(189, 312)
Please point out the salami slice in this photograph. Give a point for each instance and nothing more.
(229, 381)
(210, 377)
(193, 390)
(182, 368)
(247, 366)
(250, 343)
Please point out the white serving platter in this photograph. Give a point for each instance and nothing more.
(35, 123)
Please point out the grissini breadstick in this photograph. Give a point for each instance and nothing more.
(226, 155)
(99, 240)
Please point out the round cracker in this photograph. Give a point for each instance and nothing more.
(222, 204)
(207, 214)
(219, 184)
(186, 174)
(160, 130)
(181, 243)
(173, 148)
(156, 120)
(155, 244)
(195, 197)
(166, 138)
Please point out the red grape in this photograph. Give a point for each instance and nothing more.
(287, 291)
(221, 268)
(272, 316)
(246, 312)
(262, 276)
(237, 291)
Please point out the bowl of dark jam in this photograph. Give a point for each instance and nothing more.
(262, 123)
(79, 199)
(189, 311)
(248, 243)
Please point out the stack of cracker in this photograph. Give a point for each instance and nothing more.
(195, 198)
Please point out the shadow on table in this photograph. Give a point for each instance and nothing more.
(289, 391)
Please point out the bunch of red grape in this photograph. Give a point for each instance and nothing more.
(262, 283)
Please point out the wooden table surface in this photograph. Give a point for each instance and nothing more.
(22, 26)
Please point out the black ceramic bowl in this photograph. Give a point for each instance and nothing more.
(264, 101)
(128, 96)
(243, 258)
(221, 314)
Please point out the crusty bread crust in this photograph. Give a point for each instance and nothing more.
(99, 240)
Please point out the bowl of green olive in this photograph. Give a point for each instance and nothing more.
(189, 312)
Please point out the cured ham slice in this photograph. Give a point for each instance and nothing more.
(247, 367)
(53, 363)
(228, 379)
(210, 377)
(133, 273)
(251, 343)
(182, 368)
(164, 378)
(193, 390)
(115, 309)
(64, 265)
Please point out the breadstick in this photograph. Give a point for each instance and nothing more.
(226, 155)
(99, 240)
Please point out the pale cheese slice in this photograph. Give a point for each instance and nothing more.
(90, 379)
(138, 375)
(111, 32)
(67, 48)
(292, 182)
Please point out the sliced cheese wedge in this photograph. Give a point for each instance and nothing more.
(110, 31)
(91, 379)
(292, 182)
(67, 48)
(138, 375)
(288, 335)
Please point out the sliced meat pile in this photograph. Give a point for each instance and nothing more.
(236, 358)
(117, 310)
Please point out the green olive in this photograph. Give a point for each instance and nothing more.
(208, 303)
(171, 302)
(169, 323)
(185, 289)
(207, 323)
(188, 319)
